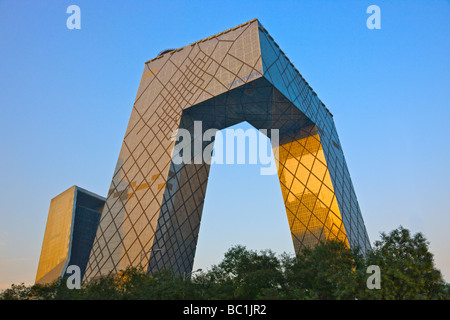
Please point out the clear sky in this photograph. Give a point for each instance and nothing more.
(66, 97)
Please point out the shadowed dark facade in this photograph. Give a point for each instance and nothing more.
(153, 209)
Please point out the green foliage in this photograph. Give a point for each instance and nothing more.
(329, 270)
(248, 274)
(407, 267)
(16, 292)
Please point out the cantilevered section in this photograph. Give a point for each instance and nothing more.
(71, 226)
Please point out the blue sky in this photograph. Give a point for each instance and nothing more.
(66, 97)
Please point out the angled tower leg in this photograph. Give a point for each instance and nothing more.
(279, 71)
(171, 82)
(128, 223)
(181, 209)
(308, 193)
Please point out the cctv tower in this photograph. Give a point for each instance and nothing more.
(153, 210)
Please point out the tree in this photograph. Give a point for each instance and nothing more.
(329, 270)
(243, 274)
(16, 292)
(407, 267)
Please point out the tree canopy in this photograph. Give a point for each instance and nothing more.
(329, 270)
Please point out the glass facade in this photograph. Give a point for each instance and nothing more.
(154, 206)
(279, 71)
(308, 192)
(72, 222)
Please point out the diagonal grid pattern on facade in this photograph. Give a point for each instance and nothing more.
(154, 206)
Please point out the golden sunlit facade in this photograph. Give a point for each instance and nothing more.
(311, 205)
(72, 221)
(55, 247)
(154, 206)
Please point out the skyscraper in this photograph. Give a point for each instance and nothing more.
(154, 206)
(71, 226)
